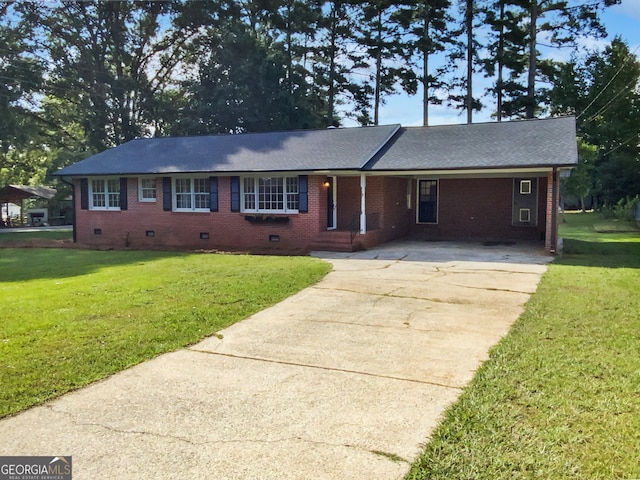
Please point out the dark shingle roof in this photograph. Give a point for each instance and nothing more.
(304, 150)
(515, 144)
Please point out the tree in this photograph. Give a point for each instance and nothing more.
(334, 62)
(108, 58)
(553, 24)
(611, 120)
(387, 54)
(245, 84)
(603, 91)
(505, 57)
(580, 181)
(464, 50)
(427, 24)
(21, 78)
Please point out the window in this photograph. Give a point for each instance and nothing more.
(147, 189)
(270, 195)
(104, 194)
(427, 201)
(525, 202)
(191, 195)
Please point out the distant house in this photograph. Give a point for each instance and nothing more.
(334, 189)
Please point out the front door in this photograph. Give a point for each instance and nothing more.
(331, 203)
(427, 201)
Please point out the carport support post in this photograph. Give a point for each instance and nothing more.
(363, 215)
(552, 213)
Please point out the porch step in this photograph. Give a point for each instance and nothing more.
(335, 241)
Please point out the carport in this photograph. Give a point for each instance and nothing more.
(17, 194)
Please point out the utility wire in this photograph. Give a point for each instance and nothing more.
(609, 83)
(606, 106)
(626, 142)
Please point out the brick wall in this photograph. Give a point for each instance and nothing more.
(226, 229)
(480, 209)
(468, 209)
(550, 205)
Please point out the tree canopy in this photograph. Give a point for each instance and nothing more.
(81, 77)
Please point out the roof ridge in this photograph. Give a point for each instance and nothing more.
(296, 130)
(386, 141)
(488, 122)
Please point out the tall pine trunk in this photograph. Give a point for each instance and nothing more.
(425, 68)
(469, 28)
(376, 107)
(500, 58)
(332, 66)
(530, 109)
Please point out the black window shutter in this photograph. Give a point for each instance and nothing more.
(124, 200)
(235, 194)
(84, 193)
(213, 193)
(166, 194)
(303, 192)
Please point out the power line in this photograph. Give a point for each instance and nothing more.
(626, 142)
(609, 83)
(606, 106)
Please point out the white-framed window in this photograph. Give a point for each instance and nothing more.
(525, 215)
(147, 190)
(191, 195)
(525, 202)
(270, 195)
(104, 194)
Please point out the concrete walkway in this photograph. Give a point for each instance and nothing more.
(344, 380)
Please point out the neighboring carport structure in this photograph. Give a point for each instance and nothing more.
(18, 193)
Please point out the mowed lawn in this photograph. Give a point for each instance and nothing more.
(70, 317)
(559, 397)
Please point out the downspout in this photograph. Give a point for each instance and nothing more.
(554, 212)
(73, 204)
(363, 215)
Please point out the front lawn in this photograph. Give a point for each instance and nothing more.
(12, 236)
(559, 397)
(70, 317)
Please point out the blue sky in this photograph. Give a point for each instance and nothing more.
(622, 20)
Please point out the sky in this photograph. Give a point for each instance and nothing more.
(622, 20)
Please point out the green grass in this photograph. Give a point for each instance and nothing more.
(559, 397)
(70, 317)
(15, 235)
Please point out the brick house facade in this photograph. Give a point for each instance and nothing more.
(375, 185)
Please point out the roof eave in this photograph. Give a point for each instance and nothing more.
(474, 171)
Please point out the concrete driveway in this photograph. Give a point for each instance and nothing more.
(344, 380)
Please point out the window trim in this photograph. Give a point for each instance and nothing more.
(524, 215)
(525, 201)
(192, 194)
(141, 197)
(525, 187)
(106, 193)
(285, 200)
